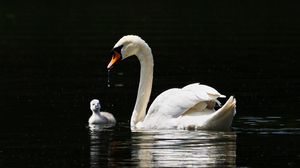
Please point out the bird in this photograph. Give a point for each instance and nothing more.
(99, 118)
(190, 108)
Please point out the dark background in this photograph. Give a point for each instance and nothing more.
(53, 56)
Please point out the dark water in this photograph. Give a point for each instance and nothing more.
(53, 59)
(254, 142)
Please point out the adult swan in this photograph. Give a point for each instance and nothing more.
(191, 107)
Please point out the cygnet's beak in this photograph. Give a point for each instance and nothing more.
(115, 57)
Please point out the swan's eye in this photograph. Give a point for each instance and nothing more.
(118, 49)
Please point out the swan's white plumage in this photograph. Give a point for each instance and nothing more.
(182, 107)
(190, 107)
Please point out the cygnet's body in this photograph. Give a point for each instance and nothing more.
(100, 117)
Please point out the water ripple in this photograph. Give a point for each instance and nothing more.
(267, 125)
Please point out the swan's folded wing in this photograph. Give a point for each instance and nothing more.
(204, 91)
(175, 102)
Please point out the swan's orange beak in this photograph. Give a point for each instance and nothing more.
(115, 57)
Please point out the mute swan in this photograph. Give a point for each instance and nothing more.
(190, 107)
(100, 117)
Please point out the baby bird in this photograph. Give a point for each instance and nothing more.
(100, 117)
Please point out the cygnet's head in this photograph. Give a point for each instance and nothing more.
(127, 46)
(95, 105)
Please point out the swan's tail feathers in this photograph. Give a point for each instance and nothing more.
(222, 118)
(229, 106)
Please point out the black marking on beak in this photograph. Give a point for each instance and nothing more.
(117, 49)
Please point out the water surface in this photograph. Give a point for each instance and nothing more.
(253, 142)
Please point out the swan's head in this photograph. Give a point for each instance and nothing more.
(127, 46)
(95, 105)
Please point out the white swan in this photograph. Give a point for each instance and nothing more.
(191, 107)
(98, 117)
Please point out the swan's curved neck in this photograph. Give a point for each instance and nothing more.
(145, 85)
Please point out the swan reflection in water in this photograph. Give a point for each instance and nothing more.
(163, 149)
(184, 149)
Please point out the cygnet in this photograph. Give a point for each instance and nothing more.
(100, 117)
